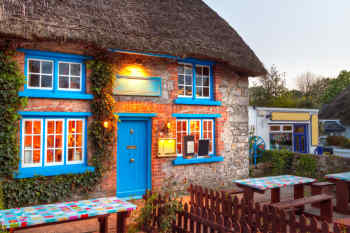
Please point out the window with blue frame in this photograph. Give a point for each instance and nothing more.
(52, 145)
(54, 75)
(195, 83)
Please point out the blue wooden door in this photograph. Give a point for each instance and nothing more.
(132, 157)
(301, 138)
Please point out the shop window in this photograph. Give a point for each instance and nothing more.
(54, 75)
(199, 129)
(281, 137)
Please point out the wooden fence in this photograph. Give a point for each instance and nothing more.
(210, 211)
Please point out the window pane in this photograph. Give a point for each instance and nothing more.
(46, 81)
(58, 156)
(28, 156)
(181, 90)
(79, 141)
(58, 141)
(71, 126)
(36, 156)
(188, 80)
(79, 125)
(188, 91)
(198, 70)
(37, 127)
(181, 79)
(34, 66)
(188, 69)
(50, 127)
(199, 91)
(75, 83)
(78, 155)
(299, 129)
(34, 80)
(180, 69)
(75, 69)
(206, 71)
(71, 140)
(281, 141)
(27, 142)
(206, 81)
(49, 156)
(206, 92)
(64, 82)
(274, 128)
(28, 127)
(36, 142)
(287, 128)
(59, 127)
(64, 69)
(70, 154)
(46, 67)
(199, 81)
(50, 141)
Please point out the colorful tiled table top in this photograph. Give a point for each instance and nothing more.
(345, 176)
(41, 214)
(271, 182)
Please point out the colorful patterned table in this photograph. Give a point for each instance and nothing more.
(274, 183)
(34, 216)
(342, 183)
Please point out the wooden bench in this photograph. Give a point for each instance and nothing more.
(325, 201)
(44, 215)
(320, 187)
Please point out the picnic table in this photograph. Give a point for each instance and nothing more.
(274, 183)
(42, 215)
(342, 181)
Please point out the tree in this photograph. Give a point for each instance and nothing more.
(335, 86)
(306, 81)
(267, 88)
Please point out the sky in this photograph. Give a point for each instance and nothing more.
(297, 36)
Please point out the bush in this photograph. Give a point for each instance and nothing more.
(340, 141)
(306, 165)
(282, 161)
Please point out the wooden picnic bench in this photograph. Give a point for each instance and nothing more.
(324, 200)
(44, 215)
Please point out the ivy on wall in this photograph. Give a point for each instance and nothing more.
(11, 80)
(39, 190)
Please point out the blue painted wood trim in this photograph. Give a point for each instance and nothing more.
(53, 170)
(191, 116)
(55, 95)
(126, 114)
(183, 161)
(190, 101)
(55, 114)
(54, 54)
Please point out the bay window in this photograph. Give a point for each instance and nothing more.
(281, 136)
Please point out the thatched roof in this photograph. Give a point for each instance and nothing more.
(339, 108)
(185, 28)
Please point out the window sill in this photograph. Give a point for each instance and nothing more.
(55, 95)
(190, 101)
(53, 170)
(183, 161)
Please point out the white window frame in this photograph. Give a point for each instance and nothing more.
(82, 141)
(69, 76)
(181, 120)
(184, 85)
(202, 87)
(26, 165)
(212, 133)
(63, 141)
(281, 128)
(40, 74)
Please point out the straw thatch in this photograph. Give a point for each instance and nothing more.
(185, 28)
(339, 108)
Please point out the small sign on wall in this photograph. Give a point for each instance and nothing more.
(167, 147)
(203, 149)
(188, 146)
(138, 86)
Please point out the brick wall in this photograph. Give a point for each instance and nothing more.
(231, 133)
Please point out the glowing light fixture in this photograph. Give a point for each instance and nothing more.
(134, 70)
(105, 124)
(167, 147)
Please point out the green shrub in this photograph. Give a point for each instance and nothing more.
(306, 165)
(282, 161)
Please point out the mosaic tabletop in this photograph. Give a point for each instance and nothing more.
(41, 214)
(345, 176)
(271, 182)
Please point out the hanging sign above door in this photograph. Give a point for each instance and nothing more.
(138, 86)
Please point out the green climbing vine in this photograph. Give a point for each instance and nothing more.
(11, 80)
(38, 190)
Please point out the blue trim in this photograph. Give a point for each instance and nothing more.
(54, 54)
(299, 135)
(53, 170)
(212, 159)
(190, 101)
(55, 95)
(123, 114)
(55, 92)
(196, 61)
(55, 114)
(194, 116)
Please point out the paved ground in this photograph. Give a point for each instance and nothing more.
(91, 226)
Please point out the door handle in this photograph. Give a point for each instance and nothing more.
(132, 160)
